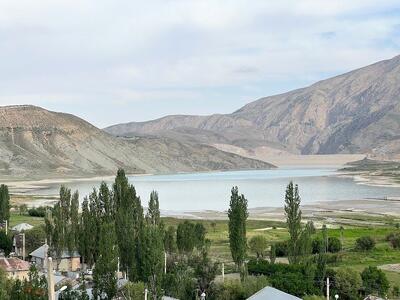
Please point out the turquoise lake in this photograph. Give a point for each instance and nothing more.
(262, 188)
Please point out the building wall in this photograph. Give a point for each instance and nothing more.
(21, 275)
(69, 264)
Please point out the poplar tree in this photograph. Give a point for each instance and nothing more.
(4, 203)
(128, 224)
(104, 274)
(152, 258)
(153, 211)
(293, 221)
(237, 215)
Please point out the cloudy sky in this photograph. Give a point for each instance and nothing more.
(117, 61)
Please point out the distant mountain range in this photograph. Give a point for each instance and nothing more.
(357, 112)
(37, 143)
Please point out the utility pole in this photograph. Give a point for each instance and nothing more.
(50, 279)
(327, 288)
(223, 272)
(23, 246)
(165, 262)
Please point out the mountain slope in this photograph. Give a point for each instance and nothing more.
(357, 112)
(35, 142)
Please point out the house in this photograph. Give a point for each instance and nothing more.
(270, 293)
(22, 227)
(15, 268)
(371, 297)
(67, 262)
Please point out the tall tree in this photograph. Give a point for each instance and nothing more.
(184, 237)
(237, 215)
(293, 221)
(62, 223)
(153, 211)
(88, 235)
(152, 258)
(4, 203)
(170, 239)
(128, 224)
(104, 274)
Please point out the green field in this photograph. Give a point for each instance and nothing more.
(275, 231)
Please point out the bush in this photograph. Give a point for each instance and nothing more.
(394, 240)
(374, 281)
(365, 243)
(396, 291)
(281, 249)
(258, 244)
(347, 283)
(334, 245)
(134, 290)
(317, 245)
(37, 211)
(263, 267)
(5, 242)
(293, 279)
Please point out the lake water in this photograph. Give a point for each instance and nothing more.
(262, 188)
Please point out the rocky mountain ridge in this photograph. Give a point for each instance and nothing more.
(357, 112)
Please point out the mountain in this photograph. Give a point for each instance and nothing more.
(357, 112)
(37, 143)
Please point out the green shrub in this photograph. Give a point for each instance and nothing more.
(365, 243)
(294, 279)
(394, 240)
(374, 281)
(317, 245)
(334, 245)
(281, 249)
(347, 283)
(37, 211)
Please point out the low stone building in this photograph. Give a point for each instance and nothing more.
(15, 268)
(67, 262)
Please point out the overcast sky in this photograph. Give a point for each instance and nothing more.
(119, 61)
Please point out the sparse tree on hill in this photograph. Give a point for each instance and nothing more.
(237, 215)
(293, 220)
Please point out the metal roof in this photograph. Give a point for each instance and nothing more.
(270, 293)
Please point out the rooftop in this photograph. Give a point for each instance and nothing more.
(273, 294)
(14, 264)
(22, 227)
(41, 253)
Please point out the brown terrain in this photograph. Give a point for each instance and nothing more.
(357, 112)
(37, 143)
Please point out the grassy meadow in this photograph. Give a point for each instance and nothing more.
(217, 233)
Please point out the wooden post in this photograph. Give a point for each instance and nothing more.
(50, 279)
(23, 246)
(165, 262)
(223, 272)
(327, 288)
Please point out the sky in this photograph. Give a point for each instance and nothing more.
(120, 61)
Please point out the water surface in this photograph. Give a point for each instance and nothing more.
(211, 191)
